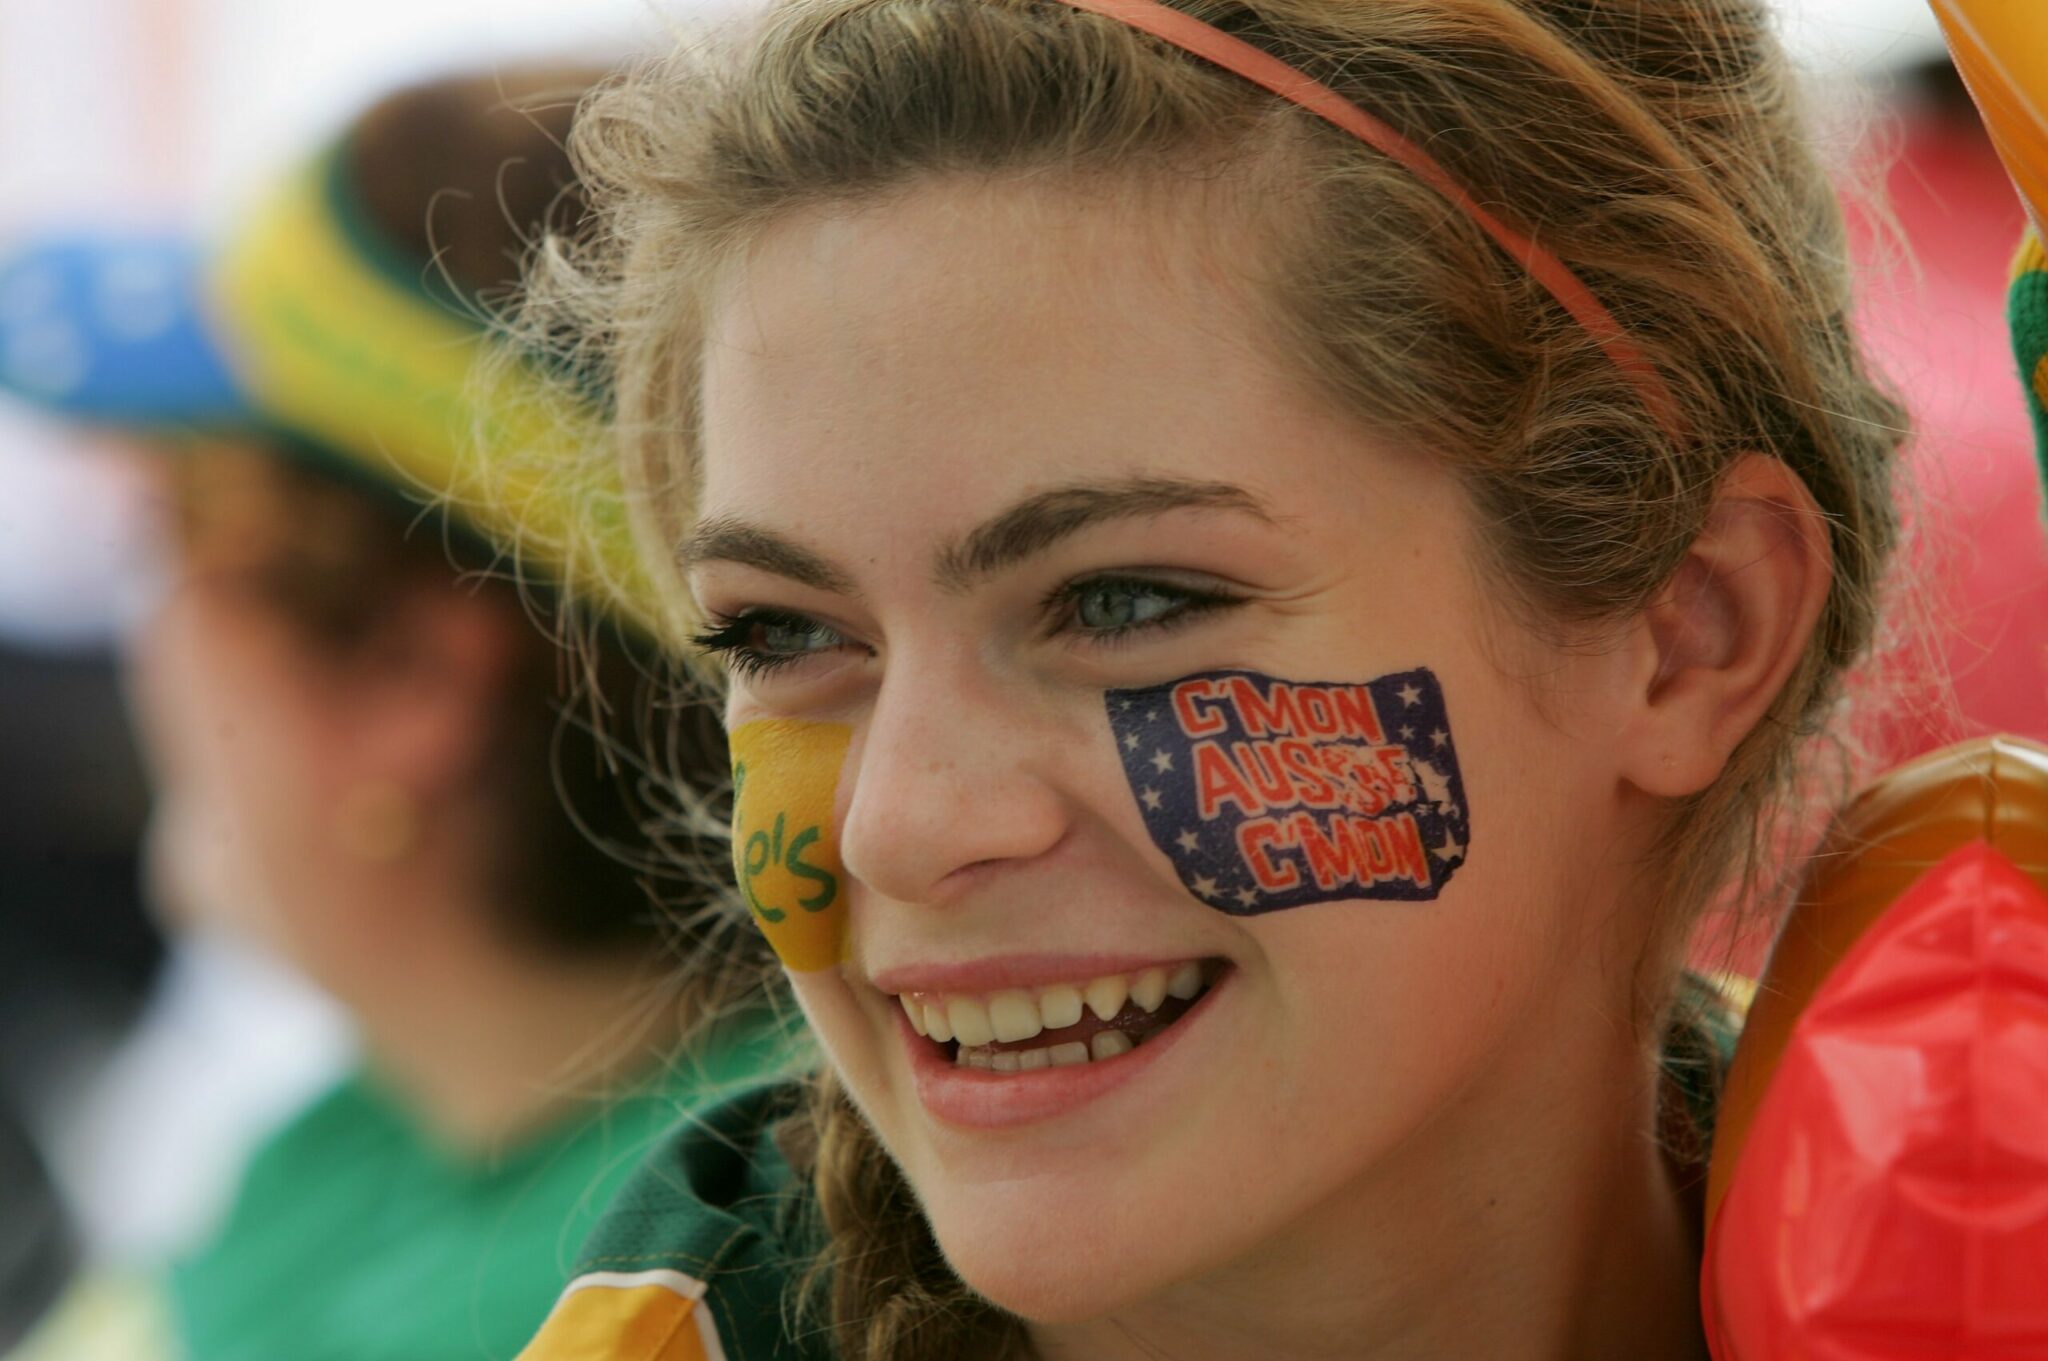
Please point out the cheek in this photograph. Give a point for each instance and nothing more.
(858, 1045)
(235, 731)
(218, 816)
(785, 839)
(167, 689)
(1550, 853)
(1438, 978)
(1270, 794)
(226, 726)
(230, 774)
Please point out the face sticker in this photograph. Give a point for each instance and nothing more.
(1267, 793)
(785, 852)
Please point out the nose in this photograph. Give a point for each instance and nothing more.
(956, 771)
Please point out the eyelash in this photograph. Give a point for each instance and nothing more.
(729, 636)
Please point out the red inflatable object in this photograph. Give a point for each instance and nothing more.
(1880, 1191)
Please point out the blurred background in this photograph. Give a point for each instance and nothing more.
(135, 1075)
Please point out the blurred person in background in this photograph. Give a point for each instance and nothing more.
(360, 750)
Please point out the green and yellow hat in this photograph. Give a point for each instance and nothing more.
(307, 326)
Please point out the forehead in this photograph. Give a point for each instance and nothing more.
(998, 336)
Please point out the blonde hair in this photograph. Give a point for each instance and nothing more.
(1655, 147)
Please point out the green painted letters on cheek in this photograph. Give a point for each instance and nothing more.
(785, 849)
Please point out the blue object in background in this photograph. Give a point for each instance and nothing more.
(113, 330)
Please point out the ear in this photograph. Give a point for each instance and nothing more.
(1714, 649)
(425, 691)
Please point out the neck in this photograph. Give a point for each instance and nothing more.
(1568, 1240)
(487, 1042)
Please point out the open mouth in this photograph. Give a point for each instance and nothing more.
(1021, 1030)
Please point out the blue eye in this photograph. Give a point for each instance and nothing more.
(1108, 606)
(755, 641)
(1105, 609)
(792, 637)
(1096, 610)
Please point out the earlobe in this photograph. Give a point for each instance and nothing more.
(1730, 628)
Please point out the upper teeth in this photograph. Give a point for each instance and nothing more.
(1020, 1013)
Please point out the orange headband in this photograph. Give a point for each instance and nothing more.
(1264, 69)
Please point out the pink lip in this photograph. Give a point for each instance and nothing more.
(971, 1098)
(1014, 971)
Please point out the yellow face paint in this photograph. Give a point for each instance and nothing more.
(785, 850)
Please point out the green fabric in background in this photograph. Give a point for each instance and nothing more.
(354, 1238)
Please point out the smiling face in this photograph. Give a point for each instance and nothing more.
(973, 459)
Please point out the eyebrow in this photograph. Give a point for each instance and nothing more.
(1037, 523)
(730, 539)
(1026, 529)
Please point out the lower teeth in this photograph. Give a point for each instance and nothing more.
(1105, 1044)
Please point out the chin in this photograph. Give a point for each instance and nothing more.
(1056, 1281)
(1057, 1254)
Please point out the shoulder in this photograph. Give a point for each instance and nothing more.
(718, 1176)
(702, 1252)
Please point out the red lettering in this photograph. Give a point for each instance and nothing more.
(1318, 716)
(1410, 861)
(1197, 722)
(1372, 850)
(1218, 781)
(1332, 861)
(1300, 759)
(1252, 840)
(1265, 714)
(1349, 852)
(1262, 768)
(1356, 715)
(1356, 776)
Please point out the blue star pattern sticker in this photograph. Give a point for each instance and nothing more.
(1268, 793)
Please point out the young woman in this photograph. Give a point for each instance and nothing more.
(1271, 557)
(364, 756)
